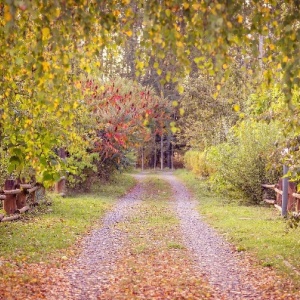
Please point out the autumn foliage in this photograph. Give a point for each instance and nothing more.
(126, 115)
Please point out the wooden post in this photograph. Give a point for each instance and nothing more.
(9, 205)
(285, 191)
(60, 186)
(21, 199)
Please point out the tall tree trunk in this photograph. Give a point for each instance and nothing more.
(172, 157)
(155, 156)
(142, 158)
(169, 154)
(162, 152)
(261, 51)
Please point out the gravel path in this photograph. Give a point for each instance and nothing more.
(101, 249)
(225, 269)
(228, 273)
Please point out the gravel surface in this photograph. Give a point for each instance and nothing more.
(226, 270)
(100, 250)
(230, 274)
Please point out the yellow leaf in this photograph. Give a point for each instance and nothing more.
(129, 33)
(215, 95)
(159, 71)
(156, 65)
(78, 84)
(225, 66)
(7, 14)
(196, 6)
(240, 18)
(236, 107)
(186, 5)
(57, 12)
(46, 32)
(167, 12)
(181, 111)
(229, 25)
(198, 59)
(175, 103)
(179, 44)
(116, 13)
(168, 76)
(285, 59)
(140, 65)
(65, 59)
(272, 46)
(46, 66)
(180, 89)
(218, 87)
(174, 130)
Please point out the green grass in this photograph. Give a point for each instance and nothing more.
(52, 230)
(153, 215)
(259, 230)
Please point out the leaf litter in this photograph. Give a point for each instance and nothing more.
(152, 249)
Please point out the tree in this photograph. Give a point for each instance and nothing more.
(44, 44)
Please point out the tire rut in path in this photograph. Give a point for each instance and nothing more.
(223, 267)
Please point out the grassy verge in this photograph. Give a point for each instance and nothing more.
(48, 232)
(257, 229)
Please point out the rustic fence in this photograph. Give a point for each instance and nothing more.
(293, 198)
(18, 198)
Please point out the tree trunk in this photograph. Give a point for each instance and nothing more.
(162, 152)
(143, 159)
(169, 154)
(155, 156)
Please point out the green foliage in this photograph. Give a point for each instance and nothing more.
(242, 164)
(196, 162)
(270, 105)
(82, 170)
(208, 108)
(46, 46)
(4, 161)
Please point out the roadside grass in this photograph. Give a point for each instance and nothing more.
(259, 230)
(49, 231)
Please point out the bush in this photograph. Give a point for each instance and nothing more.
(240, 165)
(3, 166)
(196, 162)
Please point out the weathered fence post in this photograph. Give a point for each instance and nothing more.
(60, 186)
(9, 205)
(285, 191)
